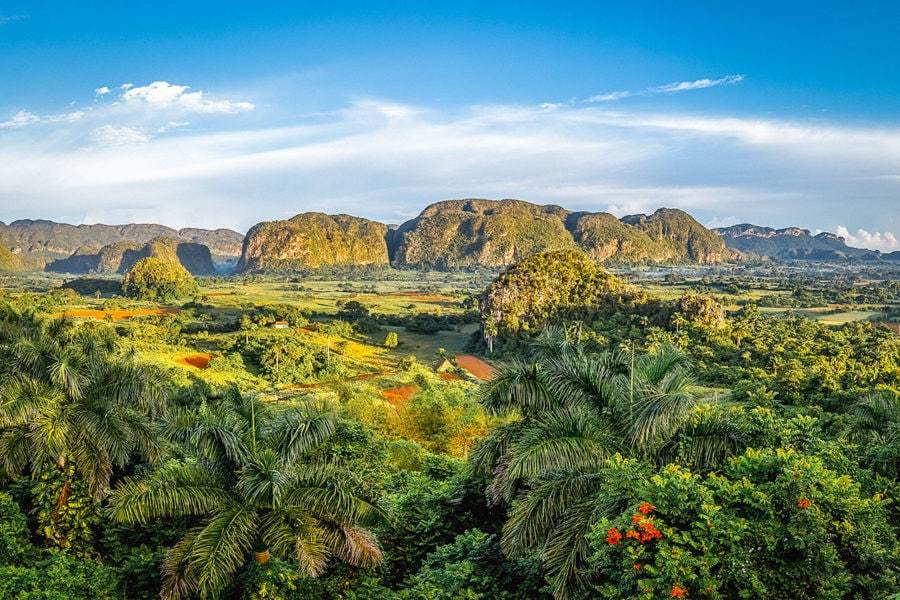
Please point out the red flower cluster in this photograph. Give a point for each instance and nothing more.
(637, 566)
(804, 503)
(678, 591)
(646, 508)
(613, 536)
(646, 529)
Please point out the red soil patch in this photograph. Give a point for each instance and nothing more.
(198, 361)
(399, 395)
(116, 315)
(449, 376)
(475, 366)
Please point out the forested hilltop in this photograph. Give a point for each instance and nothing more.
(551, 431)
(465, 234)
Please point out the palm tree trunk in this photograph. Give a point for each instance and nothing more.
(65, 493)
(261, 556)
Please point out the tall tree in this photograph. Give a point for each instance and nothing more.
(70, 396)
(250, 472)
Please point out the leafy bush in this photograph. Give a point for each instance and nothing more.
(774, 524)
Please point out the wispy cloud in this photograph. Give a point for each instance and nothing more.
(669, 88)
(7, 19)
(401, 157)
(697, 84)
(24, 118)
(112, 135)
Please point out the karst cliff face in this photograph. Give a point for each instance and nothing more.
(314, 240)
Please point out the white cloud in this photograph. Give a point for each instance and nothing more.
(611, 96)
(7, 19)
(112, 135)
(126, 86)
(697, 84)
(102, 90)
(874, 240)
(669, 88)
(20, 119)
(164, 95)
(24, 118)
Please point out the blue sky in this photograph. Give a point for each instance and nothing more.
(224, 114)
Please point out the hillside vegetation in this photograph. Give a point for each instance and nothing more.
(120, 257)
(463, 234)
(153, 278)
(542, 287)
(685, 239)
(9, 262)
(313, 240)
(467, 233)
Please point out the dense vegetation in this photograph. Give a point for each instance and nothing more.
(268, 440)
(157, 279)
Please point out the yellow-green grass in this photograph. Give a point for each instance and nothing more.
(323, 296)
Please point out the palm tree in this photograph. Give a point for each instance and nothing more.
(875, 425)
(875, 418)
(70, 397)
(575, 410)
(251, 474)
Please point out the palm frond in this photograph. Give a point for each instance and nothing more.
(704, 441)
(175, 489)
(221, 547)
(517, 387)
(296, 432)
(178, 581)
(353, 545)
(569, 439)
(320, 490)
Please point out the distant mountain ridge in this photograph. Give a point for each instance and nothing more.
(119, 257)
(794, 243)
(450, 234)
(41, 241)
(458, 234)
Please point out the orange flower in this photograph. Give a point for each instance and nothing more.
(678, 591)
(613, 536)
(646, 508)
(632, 534)
(804, 503)
(637, 518)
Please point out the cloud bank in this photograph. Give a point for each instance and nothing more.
(161, 152)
